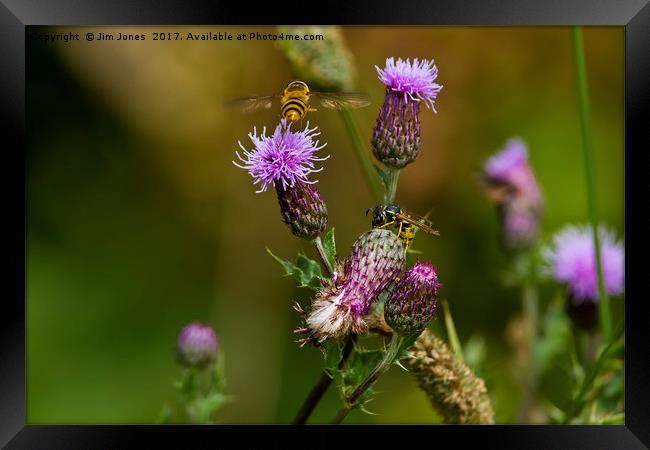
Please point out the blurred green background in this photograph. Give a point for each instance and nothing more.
(138, 223)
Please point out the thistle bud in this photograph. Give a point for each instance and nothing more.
(339, 308)
(325, 63)
(413, 301)
(396, 136)
(196, 345)
(303, 209)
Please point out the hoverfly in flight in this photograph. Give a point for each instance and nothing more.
(405, 223)
(294, 101)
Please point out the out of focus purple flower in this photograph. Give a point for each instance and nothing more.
(339, 308)
(509, 181)
(412, 302)
(196, 345)
(520, 224)
(285, 160)
(572, 258)
(396, 136)
(510, 167)
(286, 157)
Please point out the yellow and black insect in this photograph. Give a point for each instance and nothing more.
(392, 216)
(294, 101)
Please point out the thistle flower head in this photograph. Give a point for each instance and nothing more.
(196, 345)
(396, 136)
(414, 80)
(573, 261)
(286, 157)
(412, 302)
(377, 258)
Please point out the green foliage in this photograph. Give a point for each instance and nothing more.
(613, 387)
(329, 245)
(474, 352)
(554, 340)
(596, 378)
(305, 270)
(358, 368)
(327, 64)
(203, 407)
(406, 343)
(333, 353)
(526, 269)
(199, 395)
(381, 300)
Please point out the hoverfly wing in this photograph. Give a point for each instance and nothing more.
(496, 191)
(250, 104)
(342, 100)
(419, 222)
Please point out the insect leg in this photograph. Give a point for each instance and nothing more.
(407, 243)
(386, 224)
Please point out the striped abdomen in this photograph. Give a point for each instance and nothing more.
(294, 109)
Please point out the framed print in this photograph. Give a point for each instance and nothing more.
(393, 218)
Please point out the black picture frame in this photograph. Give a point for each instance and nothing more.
(15, 15)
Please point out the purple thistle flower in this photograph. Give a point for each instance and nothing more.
(196, 345)
(284, 160)
(415, 81)
(286, 157)
(396, 136)
(413, 301)
(573, 261)
(509, 181)
(339, 308)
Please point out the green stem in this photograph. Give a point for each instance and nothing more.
(578, 402)
(604, 312)
(389, 358)
(318, 243)
(451, 331)
(578, 343)
(323, 383)
(391, 189)
(530, 300)
(362, 155)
